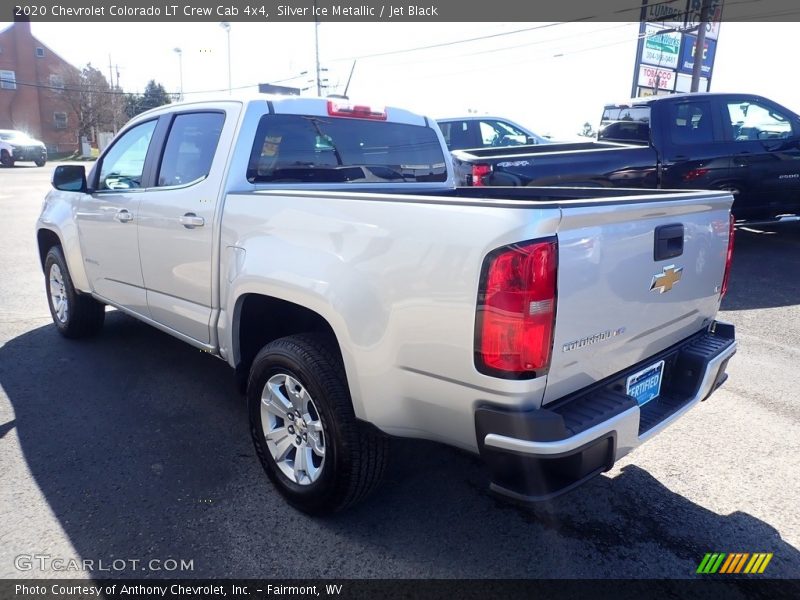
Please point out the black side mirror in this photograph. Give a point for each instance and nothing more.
(70, 178)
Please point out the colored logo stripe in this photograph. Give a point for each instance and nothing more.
(758, 563)
(735, 562)
(711, 562)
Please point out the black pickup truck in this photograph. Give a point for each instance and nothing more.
(743, 143)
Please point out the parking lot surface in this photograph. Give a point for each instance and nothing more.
(135, 446)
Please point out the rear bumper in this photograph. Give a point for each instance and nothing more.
(536, 455)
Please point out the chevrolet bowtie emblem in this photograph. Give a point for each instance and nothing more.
(668, 277)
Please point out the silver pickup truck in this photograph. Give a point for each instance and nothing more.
(322, 250)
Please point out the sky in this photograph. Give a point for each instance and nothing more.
(550, 77)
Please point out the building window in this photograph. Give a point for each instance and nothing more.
(40, 52)
(60, 120)
(56, 81)
(8, 80)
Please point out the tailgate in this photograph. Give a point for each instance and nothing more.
(618, 304)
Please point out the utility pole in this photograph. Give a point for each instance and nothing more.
(227, 27)
(699, 46)
(113, 96)
(316, 48)
(179, 52)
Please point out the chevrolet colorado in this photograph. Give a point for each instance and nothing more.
(322, 250)
(742, 143)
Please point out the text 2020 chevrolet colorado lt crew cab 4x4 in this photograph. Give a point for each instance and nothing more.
(742, 143)
(322, 250)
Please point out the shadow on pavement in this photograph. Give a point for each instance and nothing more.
(140, 445)
(766, 268)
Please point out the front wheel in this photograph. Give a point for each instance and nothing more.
(40, 163)
(304, 429)
(75, 315)
(6, 159)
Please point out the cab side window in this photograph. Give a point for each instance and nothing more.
(499, 133)
(691, 123)
(458, 135)
(489, 133)
(123, 166)
(190, 148)
(754, 121)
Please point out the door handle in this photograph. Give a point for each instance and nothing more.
(123, 216)
(191, 220)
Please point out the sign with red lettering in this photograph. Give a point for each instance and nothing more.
(653, 77)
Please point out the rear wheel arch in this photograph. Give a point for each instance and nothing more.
(259, 319)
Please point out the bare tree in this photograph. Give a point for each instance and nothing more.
(588, 130)
(87, 95)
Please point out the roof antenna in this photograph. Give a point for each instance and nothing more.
(349, 79)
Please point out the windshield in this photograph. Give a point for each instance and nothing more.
(311, 149)
(15, 136)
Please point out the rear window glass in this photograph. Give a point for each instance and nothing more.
(627, 113)
(627, 131)
(312, 149)
(625, 124)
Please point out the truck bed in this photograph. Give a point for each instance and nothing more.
(500, 151)
(589, 164)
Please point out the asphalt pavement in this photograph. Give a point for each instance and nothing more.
(133, 446)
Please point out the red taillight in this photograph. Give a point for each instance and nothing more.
(480, 171)
(693, 174)
(516, 310)
(357, 111)
(728, 260)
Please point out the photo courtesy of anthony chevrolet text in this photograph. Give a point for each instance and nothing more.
(435, 300)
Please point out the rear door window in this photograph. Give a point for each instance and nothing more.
(691, 123)
(190, 148)
(313, 149)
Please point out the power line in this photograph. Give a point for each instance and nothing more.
(506, 48)
(450, 43)
(526, 60)
(636, 8)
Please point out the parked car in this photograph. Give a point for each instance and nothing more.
(18, 146)
(741, 143)
(486, 132)
(322, 250)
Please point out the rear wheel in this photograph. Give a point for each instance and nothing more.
(75, 315)
(304, 429)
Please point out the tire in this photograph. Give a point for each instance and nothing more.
(40, 163)
(75, 315)
(353, 454)
(6, 159)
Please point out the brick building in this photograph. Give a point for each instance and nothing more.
(30, 75)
